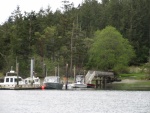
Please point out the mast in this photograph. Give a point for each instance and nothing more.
(74, 73)
(17, 71)
(31, 68)
(58, 69)
(71, 56)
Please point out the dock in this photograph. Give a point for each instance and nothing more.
(20, 87)
(100, 78)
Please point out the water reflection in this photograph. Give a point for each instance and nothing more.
(74, 101)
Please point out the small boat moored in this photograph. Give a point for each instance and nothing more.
(52, 82)
(79, 82)
(34, 81)
(11, 81)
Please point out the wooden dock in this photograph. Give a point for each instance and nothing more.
(102, 78)
(19, 87)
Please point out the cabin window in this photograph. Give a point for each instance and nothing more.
(11, 79)
(7, 79)
(26, 81)
(36, 80)
(11, 74)
(19, 79)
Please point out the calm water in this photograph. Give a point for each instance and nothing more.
(74, 101)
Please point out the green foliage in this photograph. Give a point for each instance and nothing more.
(138, 76)
(39, 66)
(1, 74)
(47, 35)
(110, 50)
(147, 69)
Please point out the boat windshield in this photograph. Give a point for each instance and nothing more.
(51, 79)
(36, 80)
(11, 74)
(80, 78)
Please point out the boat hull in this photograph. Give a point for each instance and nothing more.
(90, 85)
(53, 85)
(76, 85)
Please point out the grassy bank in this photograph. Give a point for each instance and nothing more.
(128, 84)
(137, 76)
(132, 81)
(135, 79)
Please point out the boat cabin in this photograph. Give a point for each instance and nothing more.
(53, 79)
(35, 80)
(10, 80)
(79, 79)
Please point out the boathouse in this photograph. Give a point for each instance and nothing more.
(101, 78)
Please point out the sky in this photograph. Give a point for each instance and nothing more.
(8, 6)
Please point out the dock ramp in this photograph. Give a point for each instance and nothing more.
(91, 74)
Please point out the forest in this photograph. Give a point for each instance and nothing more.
(64, 37)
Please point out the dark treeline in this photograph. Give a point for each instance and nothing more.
(65, 36)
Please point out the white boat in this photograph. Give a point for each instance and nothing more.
(11, 78)
(79, 82)
(52, 82)
(35, 81)
(32, 80)
(13, 81)
(10, 81)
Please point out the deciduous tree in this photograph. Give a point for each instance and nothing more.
(110, 50)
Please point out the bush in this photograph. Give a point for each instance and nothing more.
(147, 70)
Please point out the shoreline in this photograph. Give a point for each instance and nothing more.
(130, 81)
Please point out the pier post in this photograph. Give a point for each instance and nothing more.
(100, 82)
(96, 82)
(104, 82)
(66, 86)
